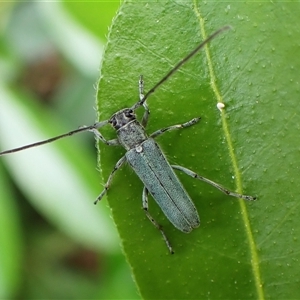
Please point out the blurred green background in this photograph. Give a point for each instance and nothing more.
(54, 243)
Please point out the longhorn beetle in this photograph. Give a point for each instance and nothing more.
(147, 159)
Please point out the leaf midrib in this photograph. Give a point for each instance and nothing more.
(237, 175)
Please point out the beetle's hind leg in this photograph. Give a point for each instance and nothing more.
(214, 184)
(145, 207)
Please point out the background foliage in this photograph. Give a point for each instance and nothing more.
(54, 243)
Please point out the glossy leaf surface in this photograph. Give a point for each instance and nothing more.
(242, 249)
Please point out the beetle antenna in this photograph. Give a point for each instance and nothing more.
(183, 61)
(135, 106)
(70, 133)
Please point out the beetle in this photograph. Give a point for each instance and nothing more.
(148, 160)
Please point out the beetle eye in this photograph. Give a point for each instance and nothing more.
(129, 113)
(113, 122)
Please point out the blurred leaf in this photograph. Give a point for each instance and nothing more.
(241, 250)
(58, 178)
(96, 16)
(10, 240)
(68, 35)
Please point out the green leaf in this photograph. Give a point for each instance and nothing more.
(96, 16)
(242, 249)
(11, 250)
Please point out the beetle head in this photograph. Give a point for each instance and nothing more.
(122, 117)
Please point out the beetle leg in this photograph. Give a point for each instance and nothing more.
(109, 180)
(145, 207)
(174, 127)
(214, 184)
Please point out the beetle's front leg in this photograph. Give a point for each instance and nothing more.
(145, 118)
(99, 136)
